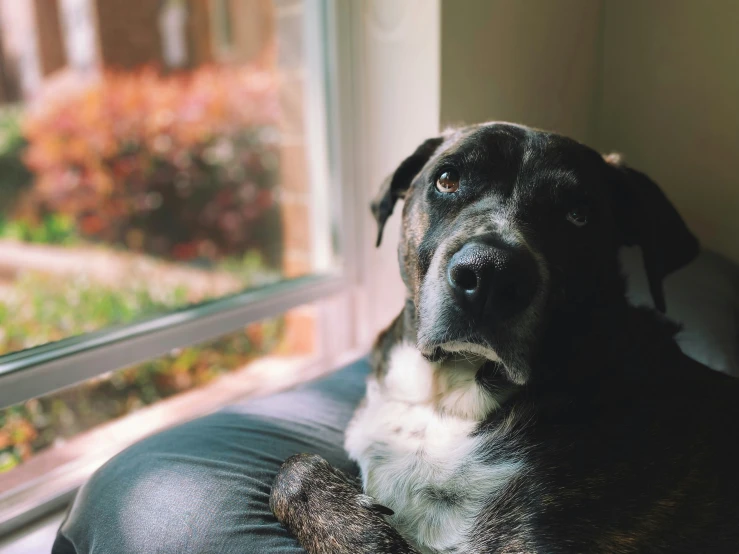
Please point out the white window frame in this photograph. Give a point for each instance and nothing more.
(363, 132)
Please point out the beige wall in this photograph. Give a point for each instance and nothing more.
(532, 62)
(398, 43)
(655, 79)
(670, 103)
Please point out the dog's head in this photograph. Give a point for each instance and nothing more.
(508, 232)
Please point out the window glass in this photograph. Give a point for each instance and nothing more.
(153, 154)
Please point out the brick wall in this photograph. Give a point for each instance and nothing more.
(200, 38)
(128, 32)
(52, 55)
(253, 30)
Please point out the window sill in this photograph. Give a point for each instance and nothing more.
(35, 538)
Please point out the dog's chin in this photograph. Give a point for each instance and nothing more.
(485, 353)
(473, 352)
(444, 338)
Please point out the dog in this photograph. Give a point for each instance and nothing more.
(519, 403)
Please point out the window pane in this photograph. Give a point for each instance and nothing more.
(152, 155)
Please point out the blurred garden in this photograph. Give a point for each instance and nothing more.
(125, 197)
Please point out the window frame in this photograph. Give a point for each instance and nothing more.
(43, 369)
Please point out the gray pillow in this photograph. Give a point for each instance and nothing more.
(203, 486)
(704, 298)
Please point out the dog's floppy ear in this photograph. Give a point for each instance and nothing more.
(396, 185)
(648, 219)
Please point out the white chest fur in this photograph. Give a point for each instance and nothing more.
(412, 438)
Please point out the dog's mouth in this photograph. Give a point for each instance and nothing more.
(471, 348)
(466, 349)
(474, 352)
(491, 371)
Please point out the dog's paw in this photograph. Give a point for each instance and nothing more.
(327, 511)
(292, 484)
(303, 483)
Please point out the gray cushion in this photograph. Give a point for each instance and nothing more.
(704, 298)
(203, 487)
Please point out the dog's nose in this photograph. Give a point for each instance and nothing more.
(496, 282)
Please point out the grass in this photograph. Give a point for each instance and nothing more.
(16, 177)
(53, 229)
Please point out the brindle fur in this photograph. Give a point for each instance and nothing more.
(628, 443)
(327, 511)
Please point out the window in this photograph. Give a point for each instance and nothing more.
(355, 85)
(168, 205)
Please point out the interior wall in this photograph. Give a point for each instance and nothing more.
(397, 80)
(532, 62)
(657, 80)
(670, 102)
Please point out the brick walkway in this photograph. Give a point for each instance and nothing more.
(112, 268)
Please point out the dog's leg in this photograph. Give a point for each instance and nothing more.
(328, 513)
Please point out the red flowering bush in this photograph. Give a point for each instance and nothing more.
(181, 166)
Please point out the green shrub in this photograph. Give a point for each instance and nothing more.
(52, 229)
(14, 175)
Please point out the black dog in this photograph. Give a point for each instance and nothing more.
(519, 403)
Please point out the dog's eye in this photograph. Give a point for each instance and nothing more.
(448, 181)
(578, 216)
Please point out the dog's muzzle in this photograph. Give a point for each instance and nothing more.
(492, 282)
